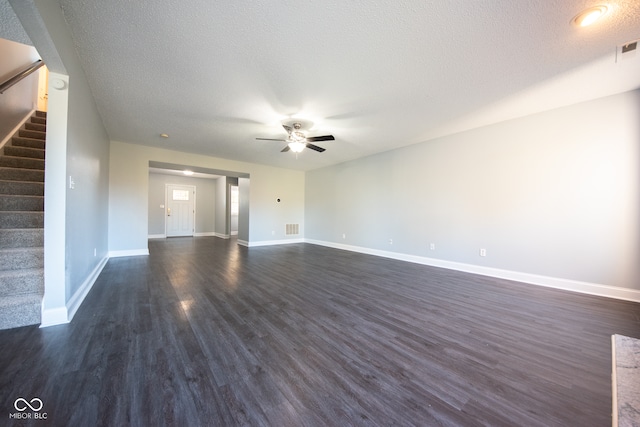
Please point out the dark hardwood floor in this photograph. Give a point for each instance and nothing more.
(204, 332)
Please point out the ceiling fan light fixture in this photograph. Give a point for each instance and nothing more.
(590, 16)
(296, 146)
(297, 136)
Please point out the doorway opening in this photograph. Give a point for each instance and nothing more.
(234, 209)
(221, 206)
(181, 210)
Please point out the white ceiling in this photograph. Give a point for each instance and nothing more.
(11, 28)
(375, 74)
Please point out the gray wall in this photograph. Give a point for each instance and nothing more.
(245, 216)
(129, 191)
(87, 164)
(76, 220)
(554, 194)
(17, 102)
(222, 228)
(205, 201)
(87, 203)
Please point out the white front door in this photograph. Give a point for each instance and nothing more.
(180, 210)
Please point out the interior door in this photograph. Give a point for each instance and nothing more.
(180, 210)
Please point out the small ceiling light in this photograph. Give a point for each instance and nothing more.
(164, 135)
(589, 16)
(187, 172)
(58, 84)
(297, 146)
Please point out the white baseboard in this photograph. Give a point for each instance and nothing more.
(234, 233)
(62, 315)
(270, 242)
(221, 235)
(204, 234)
(54, 316)
(533, 279)
(81, 293)
(129, 252)
(243, 243)
(157, 236)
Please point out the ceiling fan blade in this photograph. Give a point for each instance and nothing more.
(320, 138)
(315, 147)
(287, 128)
(285, 149)
(271, 139)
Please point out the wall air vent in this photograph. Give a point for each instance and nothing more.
(292, 229)
(627, 51)
(629, 47)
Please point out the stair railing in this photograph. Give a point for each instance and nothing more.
(20, 75)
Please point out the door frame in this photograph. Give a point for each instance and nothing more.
(166, 206)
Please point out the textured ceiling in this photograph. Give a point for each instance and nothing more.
(11, 28)
(377, 75)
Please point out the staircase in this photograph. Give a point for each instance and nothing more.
(22, 225)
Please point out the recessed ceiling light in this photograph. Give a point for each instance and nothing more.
(164, 135)
(187, 172)
(589, 16)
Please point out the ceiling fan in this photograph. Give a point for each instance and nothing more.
(297, 140)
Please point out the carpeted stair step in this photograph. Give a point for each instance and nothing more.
(22, 225)
(21, 219)
(21, 162)
(32, 134)
(20, 310)
(41, 114)
(21, 203)
(21, 238)
(24, 188)
(35, 153)
(20, 282)
(19, 258)
(36, 126)
(18, 174)
(19, 141)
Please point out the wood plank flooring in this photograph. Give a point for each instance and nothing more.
(205, 332)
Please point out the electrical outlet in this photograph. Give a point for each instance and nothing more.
(432, 246)
(483, 252)
(273, 232)
(344, 236)
(95, 252)
(391, 241)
